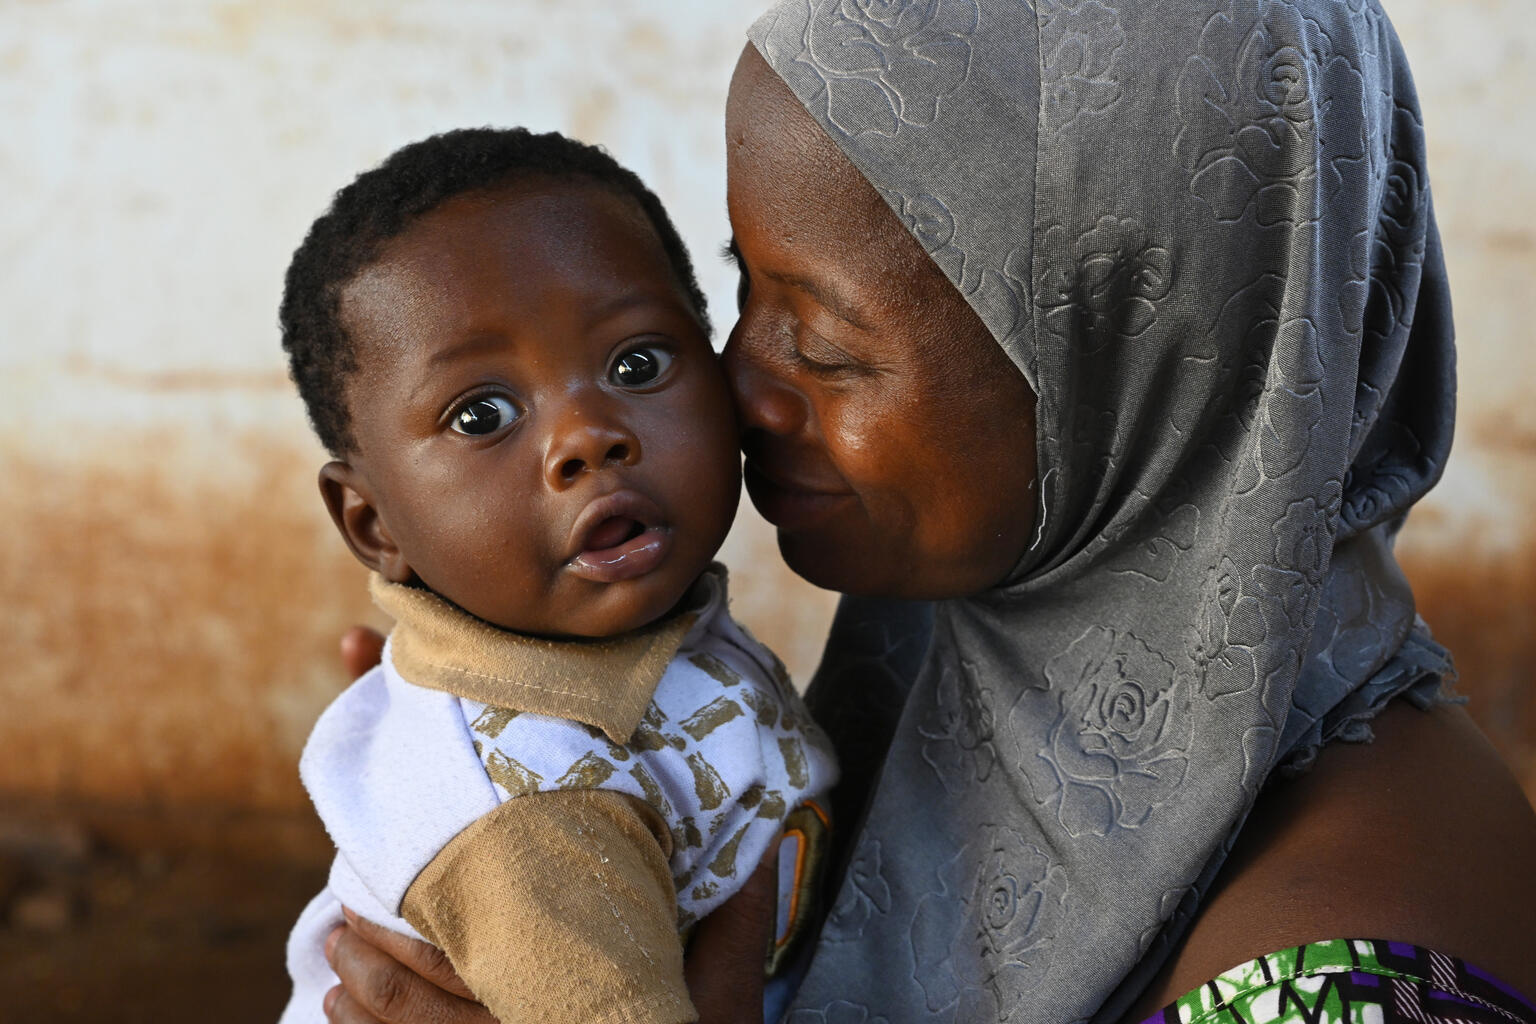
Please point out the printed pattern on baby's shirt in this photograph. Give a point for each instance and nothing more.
(723, 753)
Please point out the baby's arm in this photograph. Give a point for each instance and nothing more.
(560, 906)
(388, 977)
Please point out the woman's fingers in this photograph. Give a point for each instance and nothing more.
(341, 1008)
(421, 957)
(390, 979)
(724, 969)
(361, 649)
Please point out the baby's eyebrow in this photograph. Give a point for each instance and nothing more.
(472, 345)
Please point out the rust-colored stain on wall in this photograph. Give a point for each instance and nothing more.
(172, 631)
(172, 628)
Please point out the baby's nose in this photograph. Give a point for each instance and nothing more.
(585, 442)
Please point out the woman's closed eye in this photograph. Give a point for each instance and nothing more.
(824, 359)
(483, 414)
(640, 367)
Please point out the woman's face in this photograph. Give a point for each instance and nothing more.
(886, 434)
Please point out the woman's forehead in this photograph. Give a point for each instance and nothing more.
(766, 124)
(759, 98)
(787, 177)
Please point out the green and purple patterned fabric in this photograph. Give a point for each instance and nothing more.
(1351, 981)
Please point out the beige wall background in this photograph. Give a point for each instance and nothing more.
(170, 588)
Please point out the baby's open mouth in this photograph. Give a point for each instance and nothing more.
(620, 536)
(612, 532)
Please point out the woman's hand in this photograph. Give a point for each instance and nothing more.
(361, 649)
(387, 978)
(724, 969)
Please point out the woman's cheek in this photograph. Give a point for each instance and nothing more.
(879, 455)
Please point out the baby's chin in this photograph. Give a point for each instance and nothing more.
(629, 611)
(583, 609)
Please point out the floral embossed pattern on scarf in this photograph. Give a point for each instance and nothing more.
(1202, 232)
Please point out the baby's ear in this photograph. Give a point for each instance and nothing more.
(353, 510)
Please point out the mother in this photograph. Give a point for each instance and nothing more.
(1120, 332)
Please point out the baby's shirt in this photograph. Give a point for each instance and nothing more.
(553, 813)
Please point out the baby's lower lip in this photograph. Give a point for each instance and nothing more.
(624, 561)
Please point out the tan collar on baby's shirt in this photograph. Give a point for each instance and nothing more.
(606, 683)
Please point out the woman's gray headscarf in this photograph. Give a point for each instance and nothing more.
(1202, 230)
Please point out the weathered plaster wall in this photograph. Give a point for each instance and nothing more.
(1471, 546)
(170, 587)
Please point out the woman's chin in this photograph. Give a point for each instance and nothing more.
(829, 565)
(857, 563)
(851, 568)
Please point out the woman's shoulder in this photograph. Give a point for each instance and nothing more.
(1421, 836)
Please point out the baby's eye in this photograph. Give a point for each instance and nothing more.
(484, 415)
(640, 366)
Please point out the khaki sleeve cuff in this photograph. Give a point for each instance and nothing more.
(560, 906)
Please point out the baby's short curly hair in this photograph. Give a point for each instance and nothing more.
(382, 203)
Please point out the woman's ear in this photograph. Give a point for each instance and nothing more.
(351, 504)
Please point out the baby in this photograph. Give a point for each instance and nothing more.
(570, 752)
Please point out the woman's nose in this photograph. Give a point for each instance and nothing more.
(585, 439)
(766, 399)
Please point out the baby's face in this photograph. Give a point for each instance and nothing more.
(545, 431)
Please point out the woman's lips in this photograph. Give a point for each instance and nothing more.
(618, 537)
(789, 504)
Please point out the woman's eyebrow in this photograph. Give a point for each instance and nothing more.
(833, 301)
